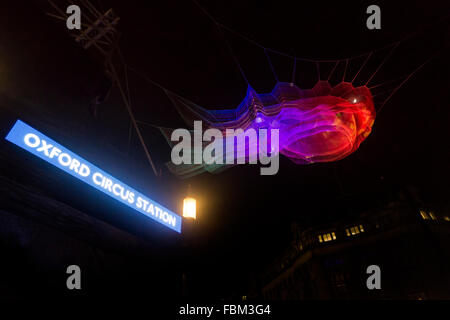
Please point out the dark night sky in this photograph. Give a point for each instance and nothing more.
(243, 217)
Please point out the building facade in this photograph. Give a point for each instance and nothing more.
(410, 246)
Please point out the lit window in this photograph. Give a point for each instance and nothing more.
(354, 230)
(432, 216)
(424, 215)
(446, 218)
(327, 237)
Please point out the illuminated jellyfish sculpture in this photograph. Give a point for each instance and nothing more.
(321, 124)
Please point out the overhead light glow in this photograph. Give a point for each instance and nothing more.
(189, 208)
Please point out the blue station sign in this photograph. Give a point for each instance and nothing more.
(47, 149)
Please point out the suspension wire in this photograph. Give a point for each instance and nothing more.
(230, 49)
(148, 124)
(407, 78)
(254, 42)
(97, 15)
(384, 60)
(147, 78)
(91, 8)
(362, 66)
(242, 36)
(294, 70)
(127, 83)
(332, 70)
(172, 101)
(386, 82)
(164, 89)
(394, 45)
(169, 93)
(236, 61)
(271, 65)
(128, 94)
(125, 73)
(206, 12)
(169, 96)
(62, 13)
(130, 136)
(318, 71)
(136, 127)
(260, 45)
(130, 111)
(345, 70)
(95, 43)
(382, 93)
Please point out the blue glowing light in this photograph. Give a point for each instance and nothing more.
(47, 149)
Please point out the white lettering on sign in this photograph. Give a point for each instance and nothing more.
(35, 142)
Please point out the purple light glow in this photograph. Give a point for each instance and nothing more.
(321, 124)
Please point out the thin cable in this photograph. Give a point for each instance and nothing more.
(382, 93)
(294, 70)
(124, 65)
(345, 70)
(403, 82)
(164, 89)
(382, 63)
(98, 16)
(230, 49)
(271, 66)
(130, 136)
(254, 42)
(364, 63)
(318, 71)
(334, 68)
(91, 8)
(219, 27)
(128, 96)
(386, 82)
(130, 112)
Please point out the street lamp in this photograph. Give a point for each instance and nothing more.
(189, 208)
(190, 215)
(189, 205)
